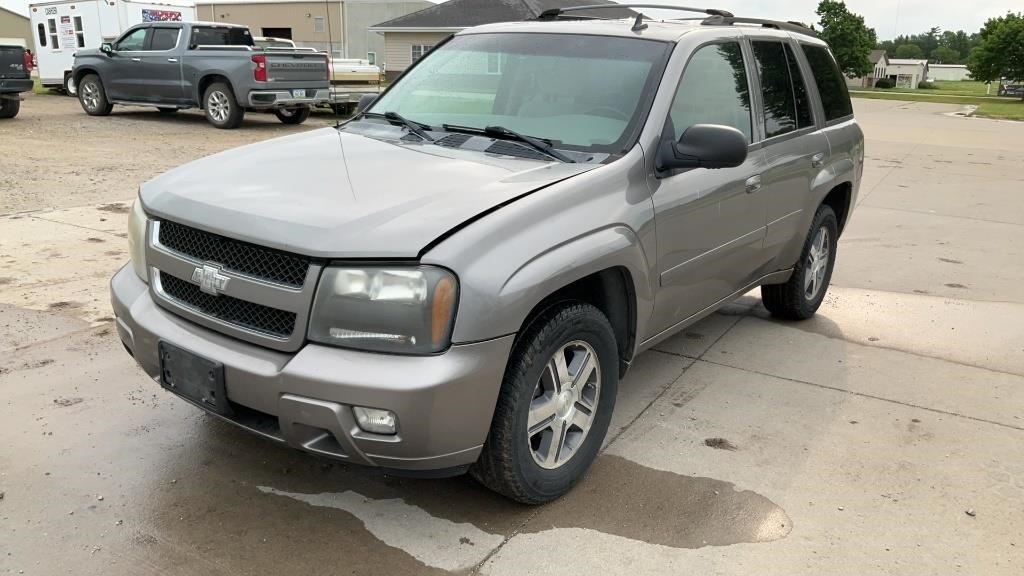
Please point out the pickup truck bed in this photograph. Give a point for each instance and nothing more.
(15, 78)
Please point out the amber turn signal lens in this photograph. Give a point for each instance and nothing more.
(442, 310)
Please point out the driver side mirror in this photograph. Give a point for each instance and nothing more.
(704, 146)
(107, 48)
(365, 101)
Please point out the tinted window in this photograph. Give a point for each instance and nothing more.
(164, 39)
(830, 82)
(776, 88)
(713, 90)
(42, 34)
(221, 36)
(803, 101)
(134, 40)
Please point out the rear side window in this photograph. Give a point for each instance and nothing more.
(164, 39)
(221, 36)
(803, 101)
(831, 85)
(776, 88)
(713, 90)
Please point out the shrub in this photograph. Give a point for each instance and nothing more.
(885, 83)
(925, 85)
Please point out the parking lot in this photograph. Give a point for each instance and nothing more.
(884, 436)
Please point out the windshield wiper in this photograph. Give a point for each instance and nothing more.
(416, 128)
(504, 133)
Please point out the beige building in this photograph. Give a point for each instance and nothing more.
(409, 37)
(14, 26)
(333, 25)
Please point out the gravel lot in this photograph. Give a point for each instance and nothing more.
(884, 436)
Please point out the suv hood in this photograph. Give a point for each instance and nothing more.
(334, 194)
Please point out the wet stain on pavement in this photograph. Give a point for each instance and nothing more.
(955, 285)
(633, 501)
(951, 261)
(720, 444)
(116, 208)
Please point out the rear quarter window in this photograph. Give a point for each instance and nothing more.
(831, 85)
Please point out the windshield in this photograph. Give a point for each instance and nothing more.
(585, 93)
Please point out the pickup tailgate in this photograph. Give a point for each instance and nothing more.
(12, 63)
(296, 67)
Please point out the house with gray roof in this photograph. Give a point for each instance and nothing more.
(407, 38)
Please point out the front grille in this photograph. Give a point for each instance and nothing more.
(234, 255)
(258, 317)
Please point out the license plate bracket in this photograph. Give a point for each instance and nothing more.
(194, 378)
(298, 93)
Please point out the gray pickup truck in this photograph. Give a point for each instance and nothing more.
(216, 67)
(15, 78)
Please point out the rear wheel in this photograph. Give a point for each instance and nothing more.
(222, 110)
(293, 115)
(9, 107)
(800, 297)
(554, 407)
(92, 97)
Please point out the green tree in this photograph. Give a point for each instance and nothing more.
(944, 55)
(958, 41)
(912, 51)
(1000, 50)
(850, 39)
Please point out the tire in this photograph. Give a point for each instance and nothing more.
(293, 115)
(167, 111)
(93, 97)
(222, 110)
(520, 465)
(68, 86)
(9, 107)
(800, 297)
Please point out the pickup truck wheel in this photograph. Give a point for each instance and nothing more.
(800, 297)
(168, 111)
(293, 115)
(92, 97)
(9, 107)
(554, 405)
(222, 110)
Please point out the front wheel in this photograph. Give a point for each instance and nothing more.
(800, 297)
(554, 406)
(9, 107)
(222, 110)
(92, 97)
(293, 115)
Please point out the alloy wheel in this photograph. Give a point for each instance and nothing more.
(219, 106)
(90, 96)
(817, 264)
(564, 404)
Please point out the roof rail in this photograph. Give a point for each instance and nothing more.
(555, 13)
(798, 27)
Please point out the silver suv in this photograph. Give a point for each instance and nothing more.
(458, 278)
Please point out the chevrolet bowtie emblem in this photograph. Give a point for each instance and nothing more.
(210, 279)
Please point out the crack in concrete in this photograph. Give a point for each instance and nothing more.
(931, 213)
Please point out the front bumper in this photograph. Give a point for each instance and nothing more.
(285, 98)
(444, 403)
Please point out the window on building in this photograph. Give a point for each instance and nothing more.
(371, 57)
(278, 33)
(494, 62)
(831, 86)
(52, 26)
(41, 30)
(79, 33)
(713, 90)
(420, 50)
(319, 25)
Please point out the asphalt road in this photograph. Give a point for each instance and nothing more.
(883, 436)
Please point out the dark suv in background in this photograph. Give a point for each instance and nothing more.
(15, 78)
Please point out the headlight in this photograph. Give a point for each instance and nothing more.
(137, 240)
(403, 310)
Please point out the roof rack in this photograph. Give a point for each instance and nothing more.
(555, 13)
(798, 27)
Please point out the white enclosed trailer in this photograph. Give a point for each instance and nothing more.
(62, 27)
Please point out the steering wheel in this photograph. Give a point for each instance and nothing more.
(618, 114)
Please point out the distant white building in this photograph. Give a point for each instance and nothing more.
(907, 73)
(954, 72)
(879, 61)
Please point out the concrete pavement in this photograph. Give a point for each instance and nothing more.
(883, 436)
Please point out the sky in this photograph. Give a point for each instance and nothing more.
(888, 17)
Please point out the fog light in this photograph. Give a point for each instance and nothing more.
(376, 421)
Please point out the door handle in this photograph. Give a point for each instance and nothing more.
(753, 184)
(136, 59)
(818, 160)
(172, 60)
